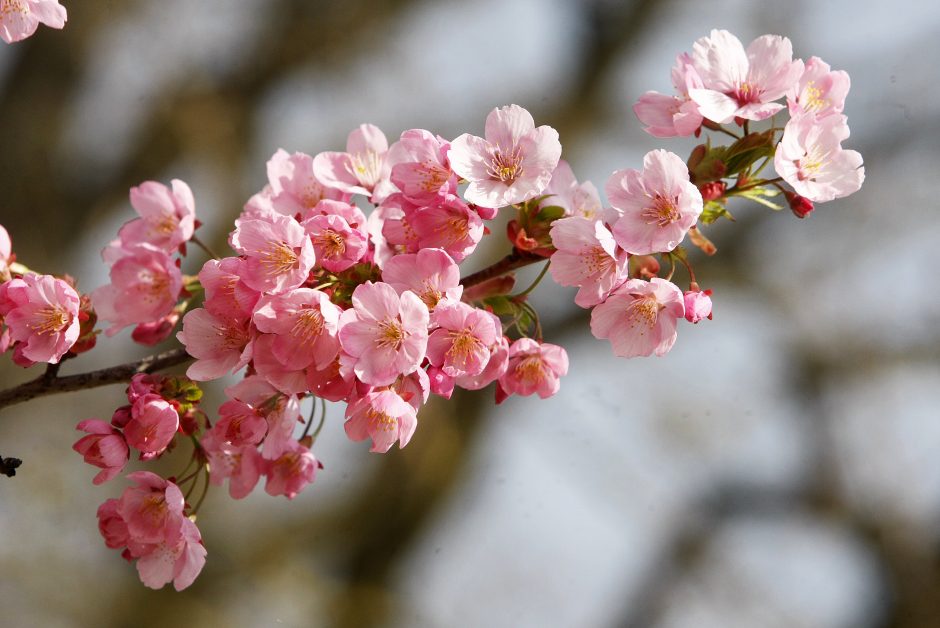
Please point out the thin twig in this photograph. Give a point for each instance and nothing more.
(516, 259)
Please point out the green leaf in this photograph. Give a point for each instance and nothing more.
(713, 211)
(550, 213)
(501, 305)
(759, 195)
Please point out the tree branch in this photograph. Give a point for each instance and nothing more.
(516, 259)
(50, 383)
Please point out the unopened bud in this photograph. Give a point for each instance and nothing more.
(712, 191)
(800, 205)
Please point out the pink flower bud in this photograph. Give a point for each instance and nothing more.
(800, 205)
(104, 447)
(712, 190)
(698, 305)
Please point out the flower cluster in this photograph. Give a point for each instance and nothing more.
(344, 284)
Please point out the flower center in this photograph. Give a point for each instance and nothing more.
(308, 326)
(530, 370)
(662, 212)
(644, 311)
(391, 335)
(454, 230)
(332, 243)
(433, 176)
(812, 98)
(366, 167)
(506, 167)
(278, 258)
(596, 260)
(746, 93)
(463, 343)
(381, 422)
(49, 320)
(311, 194)
(810, 165)
(13, 6)
(430, 295)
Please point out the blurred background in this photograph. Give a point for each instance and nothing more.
(780, 467)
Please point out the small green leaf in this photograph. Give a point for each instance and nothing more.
(501, 305)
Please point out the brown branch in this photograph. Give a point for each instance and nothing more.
(516, 259)
(49, 383)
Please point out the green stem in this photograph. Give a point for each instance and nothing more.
(534, 283)
(195, 240)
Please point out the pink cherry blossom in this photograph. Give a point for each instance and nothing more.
(461, 343)
(698, 305)
(810, 157)
(577, 199)
(20, 18)
(240, 463)
(513, 164)
(820, 90)
(179, 558)
(382, 416)
(534, 367)
(391, 227)
(280, 411)
(639, 317)
(384, 334)
(167, 217)
(494, 369)
(362, 169)
(333, 383)
(450, 225)
(6, 254)
(430, 273)
(41, 313)
(220, 345)
(289, 381)
(227, 296)
(739, 83)
(291, 472)
(672, 116)
(111, 525)
(658, 205)
(305, 324)
(145, 286)
(104, 447)
(587, 257)
(152, 426)
(420, 167)
(240, 424)
(278, 253)
(337, 245)
(293, 186)
(153, 509)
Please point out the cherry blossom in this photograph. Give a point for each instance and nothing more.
(534, 368)
(430, 273)
(639, 317)
(810, 157)
(104, 447)
(20, 18)
(382, 416)
(420, 167)
(461, 343)
(672, 116)
(41, 313)
(167, 216)
(291, 472)
(820, 90)
(587, 257)
(513, 164)
(658, 205)
(362, 169)
(278, 253)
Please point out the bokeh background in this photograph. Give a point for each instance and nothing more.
(780, 467)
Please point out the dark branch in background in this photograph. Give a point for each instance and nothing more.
(50, 383)
(516, 259)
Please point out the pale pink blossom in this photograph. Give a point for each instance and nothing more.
(154, 422)
(305, 324)
(167, 216)
(41, 314)
(6, 254)
(220, 344)
(742, 83)
(152, 510)
(104, 447)
(278, 253)
(337, 245)
(19, 19)
(145, 286)
(362, 169)
(415, 388)
(384, 334)
(391, 228)
(226, 295)
(240, 463)
(587, 257)
(461, 343)
(698, 305)
(450, 225)
(494, 369)
(639, 317)
(179, 558)
(577, 199)
(657, 205)
(672, 116)
(820, 91)
(420, 167)
(430, 273)
(288, 380)
(513, 164)
(534, 368)
(382, 416)
(294, 188)
(280, 411)
(291, 472)
(810, 157)
(240, 424)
